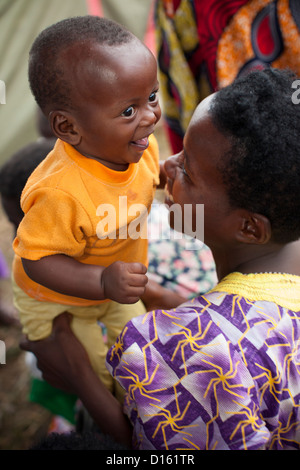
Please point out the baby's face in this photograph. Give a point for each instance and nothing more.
(116, 103)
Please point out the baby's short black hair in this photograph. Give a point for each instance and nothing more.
(262, 169)
(46, 75)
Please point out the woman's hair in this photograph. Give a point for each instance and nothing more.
(47, 78)
(262, 169)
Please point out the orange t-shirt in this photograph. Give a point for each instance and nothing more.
(71, 201)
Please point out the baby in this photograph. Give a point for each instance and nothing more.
(78, 248)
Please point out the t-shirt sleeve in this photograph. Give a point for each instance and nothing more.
(187, 386)
(54, 223)
(153, 160)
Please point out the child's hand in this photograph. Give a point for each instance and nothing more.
(124, 282)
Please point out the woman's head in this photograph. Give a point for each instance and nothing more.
(241, 159)
(261, 171)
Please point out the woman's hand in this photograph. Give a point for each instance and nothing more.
(59, 356)
(65, 364)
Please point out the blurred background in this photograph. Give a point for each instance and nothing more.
(20, 22)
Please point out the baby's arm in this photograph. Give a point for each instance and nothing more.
(121, 282)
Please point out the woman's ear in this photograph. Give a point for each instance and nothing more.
(64, 127)
(254, 229)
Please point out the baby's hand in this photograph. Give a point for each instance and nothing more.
(124, 282)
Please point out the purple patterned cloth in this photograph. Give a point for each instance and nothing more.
(4, 271)
(221, 371)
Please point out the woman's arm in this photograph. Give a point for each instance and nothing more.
(65, 365)
(122, 282)
(157, 297)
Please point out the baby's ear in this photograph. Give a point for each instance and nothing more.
(254, 229)
(64, 127)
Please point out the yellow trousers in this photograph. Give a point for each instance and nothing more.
(37, 317)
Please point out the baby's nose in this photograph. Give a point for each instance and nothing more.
(150, 117)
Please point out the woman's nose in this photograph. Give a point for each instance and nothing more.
(170, 166)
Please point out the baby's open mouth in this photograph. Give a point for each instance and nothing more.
(141, 143)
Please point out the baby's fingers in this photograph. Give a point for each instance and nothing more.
(137, 280)
(134, 294)
(137, 268)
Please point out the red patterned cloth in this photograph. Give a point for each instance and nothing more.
(204, 45)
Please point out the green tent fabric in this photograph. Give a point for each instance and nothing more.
(20, 22)
(131, 13)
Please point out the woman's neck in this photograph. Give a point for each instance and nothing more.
(259, 259)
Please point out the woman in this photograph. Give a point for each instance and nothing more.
(220, 371)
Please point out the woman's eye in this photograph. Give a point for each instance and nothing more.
(128, 112)
(183, 170)
(153, 96)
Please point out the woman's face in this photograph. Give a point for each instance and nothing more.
(193, 178)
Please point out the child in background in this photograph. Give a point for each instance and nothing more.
(8, 314)
(97, 83)
(13, 176)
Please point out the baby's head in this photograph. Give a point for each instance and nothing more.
(49, 77)
(261, 171)
(97, 83)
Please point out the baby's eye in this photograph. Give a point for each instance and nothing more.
(128, 112)
(153, 96)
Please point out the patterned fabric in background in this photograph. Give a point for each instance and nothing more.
(203, 45)
(176, 261)
(221, 372)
